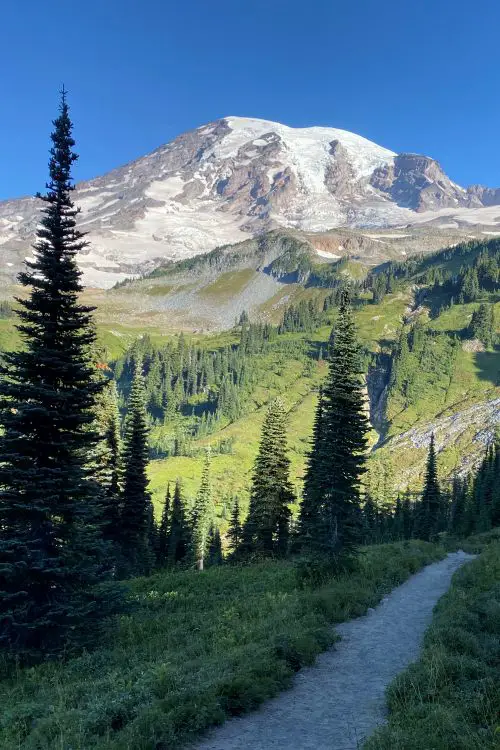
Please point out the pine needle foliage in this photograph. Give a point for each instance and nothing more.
(51, 549)
(203, 514)
(106, 459)
(429, 514)
(179, 536)
(331, 519)
(235, 528)
(135, 521)
(267, 525)
(163, 531)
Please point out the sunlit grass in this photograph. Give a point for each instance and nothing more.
(197, 648)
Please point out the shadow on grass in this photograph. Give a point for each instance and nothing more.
(488, 365)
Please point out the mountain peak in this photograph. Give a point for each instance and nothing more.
(237, 177)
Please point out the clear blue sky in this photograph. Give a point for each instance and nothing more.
(415, 76)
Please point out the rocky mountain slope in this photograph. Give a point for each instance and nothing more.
(236, 178)
(263, 274)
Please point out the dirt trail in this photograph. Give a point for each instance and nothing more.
(337, 704)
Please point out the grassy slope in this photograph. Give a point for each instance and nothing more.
(450, 699)
(232, 472)
(474, 380)
(198, 647)
(284, 377)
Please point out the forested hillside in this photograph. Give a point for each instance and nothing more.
(429, 329)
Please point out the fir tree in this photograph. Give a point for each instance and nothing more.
(215, 556)
(106, 459)
(267, 526)
(334, 473)
(430, 506)
(457, 523)
(495, 499)
(407, 517)
(235, 530)
(482, 325)
(310, 509)
(483, 491)
(163, 531)
(135, 522)
(397, 521)
(51, 551)
(370, 521)
(179, 536)
(203, 514)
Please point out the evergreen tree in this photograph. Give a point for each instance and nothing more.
(163, 531)
(470, 286)
(215, 556)
(310, 509)
(483, 491)
(135, 522)
(495, 499)
(430, 507)
(235, 530)
(333, 475)
(179, 537)
(482, 325)
(407, 517)
(470, 516)
(457, 522)
(203, 514)
(153, 535)
(105, 464)
(51, 550)
(397, 521)
(267, 525)
(370, 521)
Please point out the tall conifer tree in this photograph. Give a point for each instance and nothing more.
(50, 548)
(203, 514)
(310, 509)
(429, 513)
(407, 512)
(457, 522)
(163, 531)
(135, 522)
(338, 458)
(215, 555)
(235, 531)
(267, 525)
(106, 459)
(179, 536)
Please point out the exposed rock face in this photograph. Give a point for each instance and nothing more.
(479, 195)
(339, 174)
(234, 179)
(419, 183)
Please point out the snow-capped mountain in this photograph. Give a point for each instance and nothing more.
(237, 177)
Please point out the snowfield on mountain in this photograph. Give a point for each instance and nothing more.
(238, 177)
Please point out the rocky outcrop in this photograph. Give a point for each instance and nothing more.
(418, 183)
(469, 430)
(478, 195)
(339, 174)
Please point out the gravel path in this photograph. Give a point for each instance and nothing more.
(337, 703)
